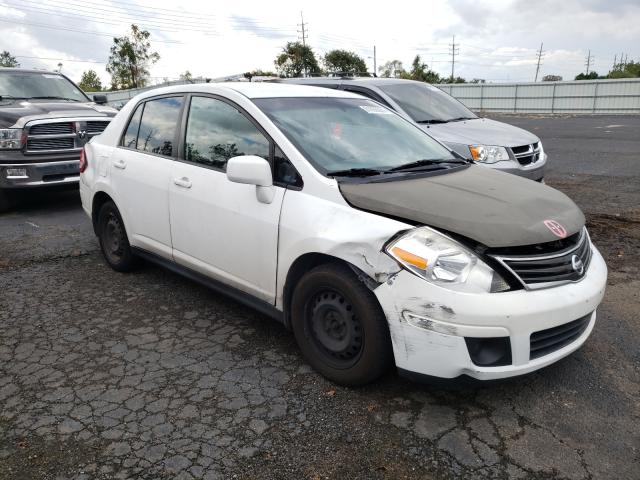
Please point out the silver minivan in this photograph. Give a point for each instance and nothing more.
(488, 142)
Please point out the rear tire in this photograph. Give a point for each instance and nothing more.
(113, 239)
(340, 327)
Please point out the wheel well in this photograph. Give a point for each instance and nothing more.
(99, 199)
(302, 265)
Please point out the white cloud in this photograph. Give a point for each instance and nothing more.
(498, 39)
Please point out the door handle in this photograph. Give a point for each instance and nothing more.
(121, 164)
(183, 182)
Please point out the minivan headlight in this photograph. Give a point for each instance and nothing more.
(10, 138)
(488, 153)
(441, 260)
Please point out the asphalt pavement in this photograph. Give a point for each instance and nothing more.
(148, 375)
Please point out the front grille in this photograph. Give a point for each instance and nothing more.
(52, 128)
(68, 136)
(527, 154)
(547, 341)
(39, 144)
(538, 270)
(96, 127)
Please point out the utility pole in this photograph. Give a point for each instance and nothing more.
(454, 51)
(615, 58)
(375, 65)
(303, 31)
(539, 58)
(588, 61)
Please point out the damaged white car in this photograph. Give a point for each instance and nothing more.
(373, 242)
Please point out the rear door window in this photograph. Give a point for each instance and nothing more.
(160, 125)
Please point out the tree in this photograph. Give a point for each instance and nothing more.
(552, 78)
(186, 76)
(477, 80)
(587, 76)
(344, 62)
(420, 72)
(392, 68)
(130, 59)
(90, 82)
(8, 60)
(297, 59)
(625, 70)
(259, 73)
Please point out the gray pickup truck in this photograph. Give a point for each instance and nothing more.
(45, 121)
(494, 144)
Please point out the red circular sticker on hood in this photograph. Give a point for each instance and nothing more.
(555, 227)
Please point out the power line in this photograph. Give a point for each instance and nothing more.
(74, 30)
(539, 59)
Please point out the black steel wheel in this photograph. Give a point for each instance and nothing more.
(339, 326)
(335, 328)
(113, 239)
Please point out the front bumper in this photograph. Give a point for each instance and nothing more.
(533, 171)
(26, 175)
(438, 348)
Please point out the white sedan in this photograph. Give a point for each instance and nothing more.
(373, 242)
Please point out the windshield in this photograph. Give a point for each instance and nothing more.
(28, 85)
(424, 103)
(348, 133)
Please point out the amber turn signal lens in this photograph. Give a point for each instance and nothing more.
(410, 258)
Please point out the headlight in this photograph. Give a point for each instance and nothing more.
(10, 138)
(488, 153)
(444, 262)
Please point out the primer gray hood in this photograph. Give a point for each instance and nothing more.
(494, 208)
(480, 131)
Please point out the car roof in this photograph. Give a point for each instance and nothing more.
(371, 81)
(26, 70)
(253, 90)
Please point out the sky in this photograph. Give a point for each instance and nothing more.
(496, 40)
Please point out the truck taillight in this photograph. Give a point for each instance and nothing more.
(83, 161)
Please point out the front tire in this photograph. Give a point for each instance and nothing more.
(113, 239)
(340, 327)
(5, 201)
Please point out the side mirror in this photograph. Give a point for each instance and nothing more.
(252, 170)
(100, 99)
(249, 169)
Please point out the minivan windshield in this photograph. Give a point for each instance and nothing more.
(427, 104)
(39, 86)
(340, 134)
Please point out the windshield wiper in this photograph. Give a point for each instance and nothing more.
(49, 97)
(355, 172)
(424, 163)
(459, 119)
(433, 120)
(11, 97)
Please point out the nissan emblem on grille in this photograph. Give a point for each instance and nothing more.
(555, 227)
(577, 264)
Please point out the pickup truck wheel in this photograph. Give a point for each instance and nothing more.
(340, 326)
(113, 239)
(5, 202)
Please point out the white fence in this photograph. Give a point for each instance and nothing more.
(585, 96)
